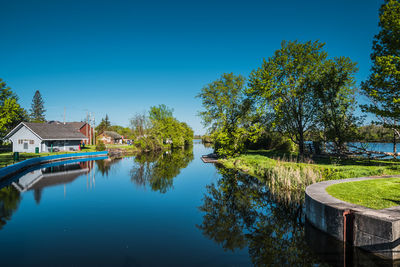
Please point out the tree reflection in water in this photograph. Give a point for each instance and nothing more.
(240, 212)
(105, 165)
(9, 201)
(157, 170)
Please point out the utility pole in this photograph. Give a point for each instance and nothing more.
(64, 114)
(87, 122)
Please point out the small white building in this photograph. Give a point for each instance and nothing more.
(43, 137)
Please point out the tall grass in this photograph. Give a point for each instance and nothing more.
(288, 182)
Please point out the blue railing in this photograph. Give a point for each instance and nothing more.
(34, 161)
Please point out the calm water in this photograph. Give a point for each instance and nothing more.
(156, 210)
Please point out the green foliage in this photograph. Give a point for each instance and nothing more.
(300, 91)
(283, 83)
(160, 130)
(169, 130)
(148, 143)
(160, 113)
(126, 132)
(11, 113)
(374, 133)
(37, 111)
(335, 91)
(100, 146)
(382, 86)
(104, 125)
(226, 114)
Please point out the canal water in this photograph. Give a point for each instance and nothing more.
(166, 209)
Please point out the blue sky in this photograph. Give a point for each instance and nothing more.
(121, 57)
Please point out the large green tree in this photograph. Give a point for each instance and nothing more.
(284, 83)
(382, 86)
(37, 111)
(225, 112)
(167, 129)
(11, 113)
(335, 91)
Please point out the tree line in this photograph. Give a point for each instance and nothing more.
(303, 94)
(153, 130)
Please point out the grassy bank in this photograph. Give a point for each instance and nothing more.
(284, 174)
(375, 194)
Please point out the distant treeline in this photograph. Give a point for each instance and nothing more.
(374, 133)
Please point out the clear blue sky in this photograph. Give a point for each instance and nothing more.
(121, 57)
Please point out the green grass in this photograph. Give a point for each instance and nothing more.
(285, 175)
(375, 194)
(330, 169)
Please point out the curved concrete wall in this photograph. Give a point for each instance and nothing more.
(20, 166)
(377, 231)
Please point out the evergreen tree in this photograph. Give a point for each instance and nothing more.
(37, 108)
(104, 125)
(382, 86)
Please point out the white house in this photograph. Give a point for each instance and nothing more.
(43, 137)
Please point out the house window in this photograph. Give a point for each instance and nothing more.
(31, 142)
(20, 141)
(25, 145)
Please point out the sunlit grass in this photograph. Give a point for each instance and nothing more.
(375, 194)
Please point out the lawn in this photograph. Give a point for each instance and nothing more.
(375, 194)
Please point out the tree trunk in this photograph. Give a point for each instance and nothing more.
(301, 143)
(394, 145)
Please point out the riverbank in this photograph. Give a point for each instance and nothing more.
(24, 165)
(286, 174)
(7, 158)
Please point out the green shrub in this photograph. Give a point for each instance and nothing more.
(286, 146)
(100, 146)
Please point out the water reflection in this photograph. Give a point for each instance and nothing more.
(53, 175)
(105, 165)
(157, 170)
(240, 212)
(9, 201)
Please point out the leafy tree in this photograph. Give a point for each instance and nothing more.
(225, 114)
(37, 111)
(139, 125)
(283, 83)
(104, 125)
(160, 112)
(126, 132)
(167, 129)
(11, 113)
(335, 91)
(382, 86)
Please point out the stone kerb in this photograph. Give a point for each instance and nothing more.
(377, 231)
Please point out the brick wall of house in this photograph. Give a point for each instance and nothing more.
(87, 131)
